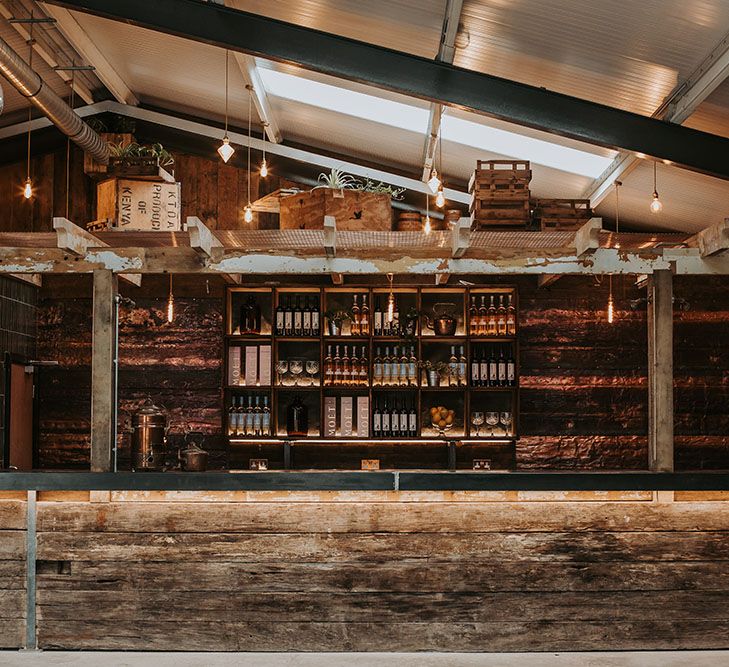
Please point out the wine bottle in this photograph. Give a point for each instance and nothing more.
(395, 366)
(453, 368)
(297, 419)
(394, 420)
(354, 325)
(412, 421)
(483, 320)
(501, 318)
(249, 417)
(484, 370)
(288, 318)
(462, 372)
(510, 369)
(266, 418)
(377, 328)
(337, 361)
(492, 329)
(404, 365)
(377, 420)
(377, 369)
(386, 368)
(412, 368)
(510, 318)
(346, 368)
(257, 417)
(306, 319)
(475, 370)
(386, 421)
(502, 368)
(364, 366)
(298, 317)
(280, 317)
(364, 317)
(328, 367)
(315, 327)
(404, 430)
(473, 317)
(255, 316)
(232, 417)
(493, 369)
(240, 418)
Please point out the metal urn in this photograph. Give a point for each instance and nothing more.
(149, 430)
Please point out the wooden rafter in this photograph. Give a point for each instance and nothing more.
(203, 241)
(712, 240)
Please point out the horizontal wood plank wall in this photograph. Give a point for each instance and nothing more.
(368, 576)
(12, 573)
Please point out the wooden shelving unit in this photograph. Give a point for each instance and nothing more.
(427, 345)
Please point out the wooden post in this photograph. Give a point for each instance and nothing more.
(103, 395)
(660, 371)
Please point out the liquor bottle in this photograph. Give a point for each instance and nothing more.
(493, 369)
(501, 318)
(510, 318)
(484, 370)
(395, 367)
(412, 368)
(257, 417)
(377, 369)
(386, 421)
(240, 418)
(248, 430)
(502, 368)
(364, 366)
(473, 318)
(346, 370)
(297, 419)
(510, 369)
(377, 420)
(462, 372)
(412, 421)
(337, 361)
(404, 430)
(475, 370)
(306, 318)
(266, 418)
(280, 317)
(404, 368)
(453, 368)
(315, 326)
(298, 318)
(328, 367)
(364, 317)
(483, 320)
(354, 322)
(386, 367)
(288, 318)
(232, 418)
(377, 327)
(492, 327)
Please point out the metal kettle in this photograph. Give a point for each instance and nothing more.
(443, 323)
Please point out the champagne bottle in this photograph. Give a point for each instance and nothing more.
(257, 418)
(346, 368)
(248, 430)
(240, 418)
(231, 417)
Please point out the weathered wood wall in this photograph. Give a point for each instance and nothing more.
(12, 571)
(583, 382)
(297, 572)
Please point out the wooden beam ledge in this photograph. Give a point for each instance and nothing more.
(461, 235)
(714, 239)
(202, 241)
(330, 236)
(587, 238)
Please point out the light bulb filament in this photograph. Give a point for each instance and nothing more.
(28, 189)
(170, 308)
(427, 226)
(264, 168)
(610, 310)
(248, 213)
(440, 198)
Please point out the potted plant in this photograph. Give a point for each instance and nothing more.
(434, 372)
(138, 160)
(335, 320)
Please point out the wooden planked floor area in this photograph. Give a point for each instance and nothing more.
(375, 576)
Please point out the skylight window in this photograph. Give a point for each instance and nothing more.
(415, 119)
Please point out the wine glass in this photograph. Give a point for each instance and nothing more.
(477, 419)
(312, 368)
(492, 419)
(282, 366)
(296, 368)
(505, 419)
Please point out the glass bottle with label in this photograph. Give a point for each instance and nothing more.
(377, 369)
(364, 317)
(297, 419)
(355, 320)
(510, 318)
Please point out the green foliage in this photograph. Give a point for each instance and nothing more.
(339, 180)
(131, 152)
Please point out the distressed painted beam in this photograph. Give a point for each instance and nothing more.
(337, 279)
(442, 278)
(77, 241)
(103, 346)
(660, 371)
(713, 240)
(460, 237)
(587, 238)
(330, 236)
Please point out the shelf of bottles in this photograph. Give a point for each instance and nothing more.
(363, 363)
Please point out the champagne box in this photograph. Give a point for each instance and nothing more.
(363, 416)
(347, 416)
(264, 365)
(251, 370)
(330, 416)
(234, 365)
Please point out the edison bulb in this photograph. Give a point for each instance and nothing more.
(440, 198)
(610, 310)
(226, 150)
(434, 181)
(264, 168)
(28, 189)
(248, 214)
(170, 309)
(427, 226)
(656, 204)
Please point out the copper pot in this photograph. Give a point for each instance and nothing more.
(149, 429)
(194, 459)
(442, 323)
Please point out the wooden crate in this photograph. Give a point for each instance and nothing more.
(95, 169)
(500, 179)
(138, 205)
(353, 210)
(561, 214)
(504, 214)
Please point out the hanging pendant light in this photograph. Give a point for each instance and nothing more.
(390, 301)
(226, 150)
(611, 303)
(264, 166)
(656, 204)
(28, 189)
(170, 304)
(248, 210)
(427, 227)
(434, 181)
(440, 196)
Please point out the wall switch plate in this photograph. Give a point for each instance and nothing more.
(258, 464)
(370, 464)
(482, 464)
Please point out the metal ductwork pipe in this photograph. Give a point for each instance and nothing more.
(30, 85)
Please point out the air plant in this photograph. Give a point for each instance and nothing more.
(338, 180)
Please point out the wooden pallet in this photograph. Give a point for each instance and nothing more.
(500, 175)
(561, 214)
(500, 214)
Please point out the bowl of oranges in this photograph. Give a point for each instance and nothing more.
(442, 419)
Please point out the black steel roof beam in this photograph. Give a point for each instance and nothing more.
(440, 82)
